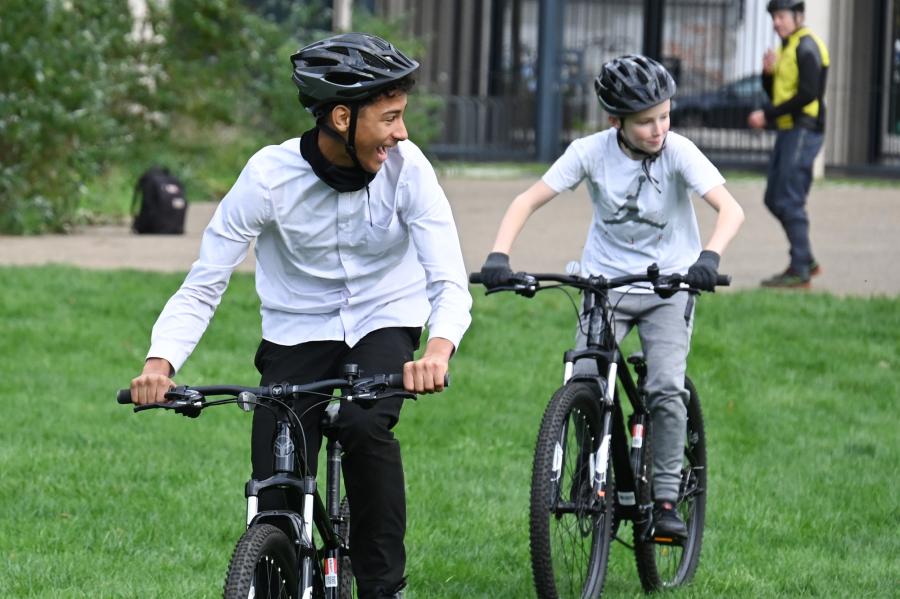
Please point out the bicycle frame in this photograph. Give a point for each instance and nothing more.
(292, 473)
(609, 360)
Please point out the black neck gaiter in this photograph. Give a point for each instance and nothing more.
(342, 179)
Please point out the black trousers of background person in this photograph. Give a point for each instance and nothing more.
(373, 470)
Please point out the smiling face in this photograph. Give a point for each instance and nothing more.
(786, 22)
(646, 130)
(379, 127)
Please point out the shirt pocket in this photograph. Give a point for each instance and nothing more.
(385, 233)
(384, 230)
(384, 238)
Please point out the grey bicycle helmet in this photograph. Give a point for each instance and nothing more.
(632, 83)
(348, 67)
(794, 5)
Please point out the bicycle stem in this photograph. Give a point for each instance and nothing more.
(333, 476)
(284, 449)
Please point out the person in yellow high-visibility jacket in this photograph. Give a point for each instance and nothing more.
(794, 78)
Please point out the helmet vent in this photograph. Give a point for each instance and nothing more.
(343, 78)
(315, 61)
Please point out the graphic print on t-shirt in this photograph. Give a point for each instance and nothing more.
(631, 212)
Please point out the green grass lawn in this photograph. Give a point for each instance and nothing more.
(800, 396)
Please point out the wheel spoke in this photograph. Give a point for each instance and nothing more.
(576, 519)
(569, 525)
(263, 566)
(670, 565)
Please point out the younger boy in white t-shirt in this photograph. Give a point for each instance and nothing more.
(640, 177)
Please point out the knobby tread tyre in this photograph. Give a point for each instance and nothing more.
(263, 561)
(665, 566)
(345, 580)
(570, 528)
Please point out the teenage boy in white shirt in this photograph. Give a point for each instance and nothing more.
(640, 177)
(356, 250)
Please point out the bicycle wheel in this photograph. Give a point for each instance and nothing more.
(345, 580)
(570, 527)
(670, 565)
(264, 566)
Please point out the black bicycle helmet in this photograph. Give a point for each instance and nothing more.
(632, 83)
(794, 5)
(348, 67)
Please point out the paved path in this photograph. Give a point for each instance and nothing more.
(854, 234)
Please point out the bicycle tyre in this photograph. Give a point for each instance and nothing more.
(570, 529)
(264, 565)
(663, 566)
(345, 580)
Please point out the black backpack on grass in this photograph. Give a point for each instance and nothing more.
(163, 206)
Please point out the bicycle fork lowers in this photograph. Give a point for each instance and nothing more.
(300, 525)
(614, 450)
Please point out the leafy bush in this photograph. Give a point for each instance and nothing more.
(232, 66)
(87, 105)
(76, 91)
(229, 65)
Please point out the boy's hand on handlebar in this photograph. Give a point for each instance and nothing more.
(704, 272)
(426, 375)
(153, 383)
(496, 271)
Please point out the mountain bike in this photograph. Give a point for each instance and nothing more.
(285, 554)
(588, 478)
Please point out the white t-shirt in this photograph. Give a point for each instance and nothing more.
(329, 265)
(636, 221)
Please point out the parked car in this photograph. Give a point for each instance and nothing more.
(726, 107)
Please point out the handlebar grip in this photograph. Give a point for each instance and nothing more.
(123, 396)
(723, 280)
(475, 278)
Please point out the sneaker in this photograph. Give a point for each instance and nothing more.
(667, 522)
(789, 279)
(815, 269)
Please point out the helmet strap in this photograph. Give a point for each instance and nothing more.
(646, 158)
(365, 177)
(350, 142)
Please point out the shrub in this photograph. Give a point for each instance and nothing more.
(207, 82)
(76, 91)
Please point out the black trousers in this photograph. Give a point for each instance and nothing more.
(372, 468)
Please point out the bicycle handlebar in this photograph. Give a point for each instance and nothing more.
(369, 388)
(529, 283)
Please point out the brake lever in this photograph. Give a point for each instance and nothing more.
(182, 400)
(521, 283)
(186, 407)
(403, 394)
(373, 395)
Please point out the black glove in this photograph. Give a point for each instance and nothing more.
(705, 271)
(496, 271)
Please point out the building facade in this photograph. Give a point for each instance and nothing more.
(482, 57)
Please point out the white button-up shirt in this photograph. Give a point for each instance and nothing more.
(329, 265)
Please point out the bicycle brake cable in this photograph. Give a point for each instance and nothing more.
(565, 289)
(291, 413)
